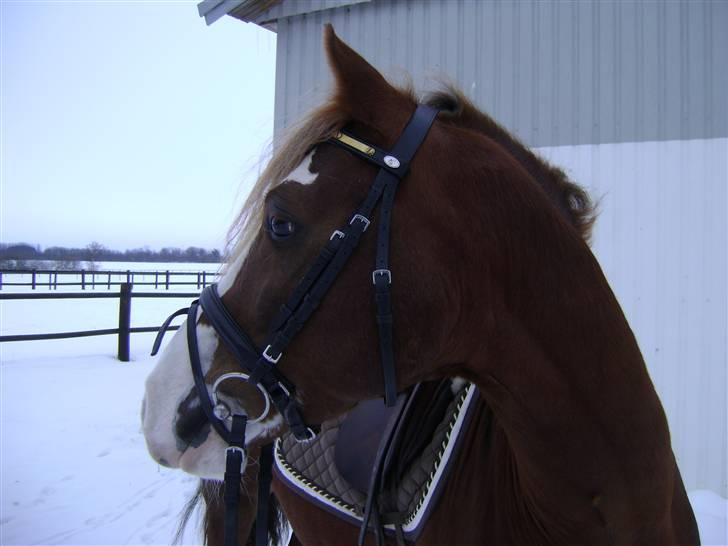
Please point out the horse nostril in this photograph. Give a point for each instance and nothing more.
(191, 427)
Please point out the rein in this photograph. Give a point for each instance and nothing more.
(260, 366)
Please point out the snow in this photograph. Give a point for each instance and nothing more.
(73, 464)
(711, 511)
(74, 468)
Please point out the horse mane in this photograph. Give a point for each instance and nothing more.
(572, 201)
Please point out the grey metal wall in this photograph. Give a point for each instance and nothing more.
(554, 72)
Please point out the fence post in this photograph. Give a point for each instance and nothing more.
(156, 279)
(55, 281)
(33, 281)
(83, 279)
(1, 280)
(166, 282)
(108, 281)
(124, 321)
(204, 279)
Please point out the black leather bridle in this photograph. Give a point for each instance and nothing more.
(260, 366)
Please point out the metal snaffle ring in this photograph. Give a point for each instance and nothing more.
(244, 377)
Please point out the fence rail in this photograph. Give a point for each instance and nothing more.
(124, 329)
(84, 278)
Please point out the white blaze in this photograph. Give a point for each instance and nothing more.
(170, 382)
(302, 174)
(167, 386)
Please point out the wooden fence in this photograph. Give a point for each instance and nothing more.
(85, 279)
(124, 330)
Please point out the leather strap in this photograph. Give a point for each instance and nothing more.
(371, 509)
(234, 460)
(260, 370)
(198, 375)
(265, 476)
(164, 327)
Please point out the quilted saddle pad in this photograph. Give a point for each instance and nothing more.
(310, 469)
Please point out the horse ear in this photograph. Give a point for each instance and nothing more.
(360, 89)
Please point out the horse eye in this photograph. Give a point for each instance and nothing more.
(280, 228)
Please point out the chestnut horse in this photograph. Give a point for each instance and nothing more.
(493, 282)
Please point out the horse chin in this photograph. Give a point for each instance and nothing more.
(206, 461)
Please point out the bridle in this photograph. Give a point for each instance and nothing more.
(260, 366)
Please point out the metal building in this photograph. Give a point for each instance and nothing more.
(630, 97)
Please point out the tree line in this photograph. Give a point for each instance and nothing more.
(17, 255)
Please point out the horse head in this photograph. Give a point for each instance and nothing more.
(459, 217)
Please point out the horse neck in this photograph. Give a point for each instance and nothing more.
(564, 376)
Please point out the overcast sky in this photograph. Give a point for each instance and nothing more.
(129, 123)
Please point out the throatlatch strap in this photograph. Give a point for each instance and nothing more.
(265, 476)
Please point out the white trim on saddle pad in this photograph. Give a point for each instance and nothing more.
(411, 526)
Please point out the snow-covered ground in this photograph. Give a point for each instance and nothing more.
(73, 465)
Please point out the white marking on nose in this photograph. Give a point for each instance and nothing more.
(167, 386)
(302, 174)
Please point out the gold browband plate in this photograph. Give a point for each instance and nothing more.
(354, 143)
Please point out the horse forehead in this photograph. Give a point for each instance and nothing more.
(302, 174)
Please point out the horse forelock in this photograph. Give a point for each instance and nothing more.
(289, 151)
(570, 199)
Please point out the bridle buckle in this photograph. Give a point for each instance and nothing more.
(269, 357)
(362, 219)
(384, 272)
(311, 436)
(235, 449)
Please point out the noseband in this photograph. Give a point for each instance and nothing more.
(261, 366)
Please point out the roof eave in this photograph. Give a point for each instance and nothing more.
(245, 10)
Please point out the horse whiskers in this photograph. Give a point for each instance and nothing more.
(187, 511)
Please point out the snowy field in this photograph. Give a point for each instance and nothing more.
(73, 465)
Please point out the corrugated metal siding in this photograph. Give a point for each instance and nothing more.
(661, 239)
(554, 72)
